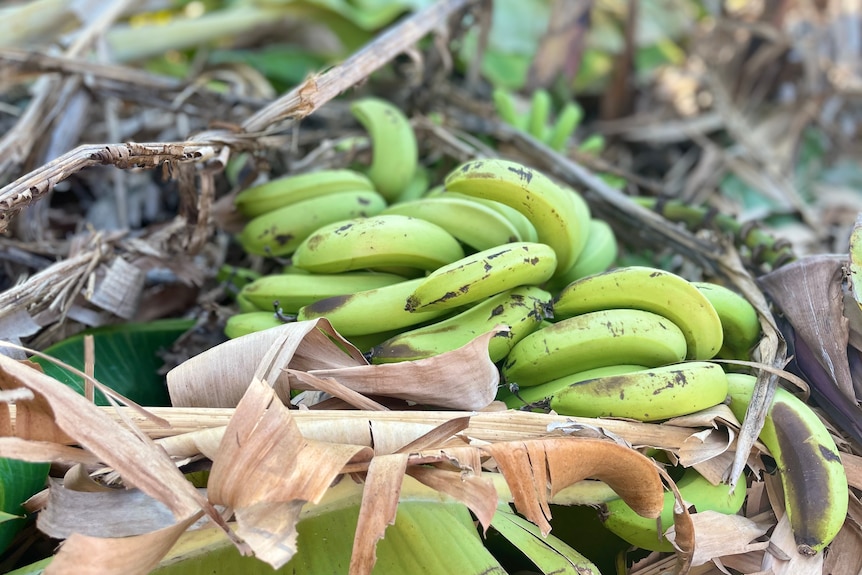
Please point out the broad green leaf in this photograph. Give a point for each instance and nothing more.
(18, 481)
(127, 359)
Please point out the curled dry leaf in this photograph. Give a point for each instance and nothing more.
(719, 534)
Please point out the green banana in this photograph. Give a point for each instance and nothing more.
(598, 255)
(813, 477)
(695, 490)
(522, 309)
(582, 213)
(594, 339)
(543, 393)
(370, 311)
(395, 153)
(646, 395)
(567, 122)
(545, 204)
(288, 190)
(504, 102)
(279, 232)
(377, 241)
(245, 305)
(250, 322)
(471, 223)
(417, 187)
(739, 320)
(292, 291)
(649, 289)
(483, 274)
(526, 230)
(540, 113)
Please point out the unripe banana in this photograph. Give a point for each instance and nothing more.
(250, 322)
(504, 102)
(292, 291)
(279, 232)
(288, 190)
(377, 241)
(598, 255)
(648, 289)
(567, 121)
(526, 230)
(544, 392)
(545, 204)
(738, 317)
(522, 309)
(483, 274)
(395, 153)
(595, 339)
(369, 311)
(813, 477)
(647, 395)
(472, 224)
(695, 490)
(540, 113)
(245, 305)
(417, 187)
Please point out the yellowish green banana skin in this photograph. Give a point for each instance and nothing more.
(599, 253)
(375, 242)
(812, 475)
(540, 395)
(526, 230)
(642, 532)
(739, 320)
(395, 152)
(591, 340)
(522, 309)
(483, 274)
(281, 192)
(249, 322)
(646, 395)
(649, 289)
(281, 231)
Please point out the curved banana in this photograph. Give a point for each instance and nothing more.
(647, 395)
(540, 113)
(595, 339)
(649, 289)
(583, 215)
(395, 153)
(813, 477)
(545, 204)
(377, 241)
(695, 490)
(526, 230)
(542, 394)
(417, 187)
(250, 322)
(483, 274)
(288, 190)
(522, 309)
(292, 291)
(739, 320)
(471, 223)
(279, 232)
(598, 255)
(370, 311)
(245, 305)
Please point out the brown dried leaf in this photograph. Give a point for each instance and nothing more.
(476, 492)
(794, 563)
(719, 534)
(39, 451)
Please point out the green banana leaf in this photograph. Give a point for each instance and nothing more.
(127, 359)
(18, 481)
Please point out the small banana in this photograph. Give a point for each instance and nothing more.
(279, 232)
(646, 395)
(738, 317)
(648, 289)
(567, 122)
(395, 152)
(377, 241)
(483, 274)
(540, 114)
(545, 204)
(526, 230)
(250, 322)
(695, 490)
(543, 393)
(595, 339)
(370, 311)
(292, 291)
(522, 309)
(471, 223)
(813, 477)
(504, 102)
(263, 198)
(598, 255)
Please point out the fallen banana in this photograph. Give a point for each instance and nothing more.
(281, 231)
(739, 320)
(595, 339)
(377, 241)
(483, 274)
(648, 289)
(521, 308)
(288, 190)
(813, 477)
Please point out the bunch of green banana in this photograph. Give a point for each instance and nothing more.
(536, 121)
(695, 490)
(812, 475)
